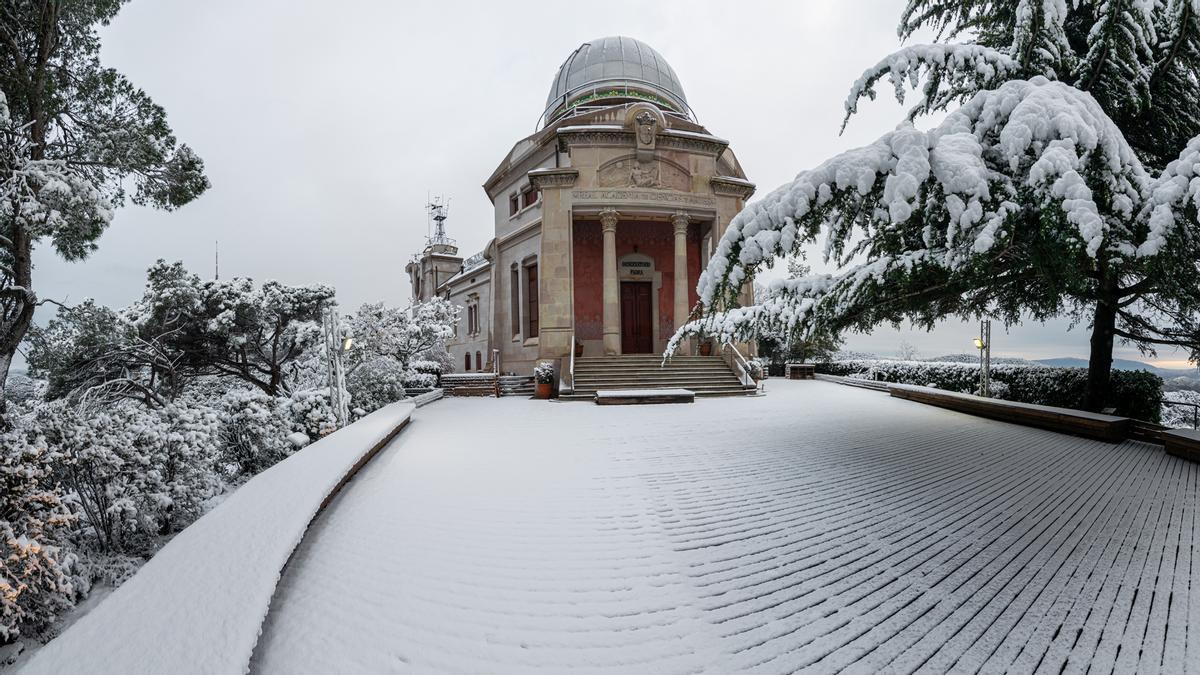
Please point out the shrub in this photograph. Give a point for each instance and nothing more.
(377, 383)
(36, 574)
(133, 474)
(1134, 393)
(415, 380)
(254, 432)
(428, 367)
(543, 373)
(311, 412)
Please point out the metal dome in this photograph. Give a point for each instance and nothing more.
(615, 68)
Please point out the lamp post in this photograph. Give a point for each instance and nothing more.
(984, 344)
(336, 346)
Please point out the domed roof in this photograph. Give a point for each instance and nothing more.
(615, 67)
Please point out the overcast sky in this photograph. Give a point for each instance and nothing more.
(324, 126)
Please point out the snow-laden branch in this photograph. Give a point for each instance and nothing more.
(950, 71)
(914, 207)
(1172, 194)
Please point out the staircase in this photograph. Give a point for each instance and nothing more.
(469, 384)
(516, 385)
(704, 375)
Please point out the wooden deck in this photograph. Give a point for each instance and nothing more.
(820, 529)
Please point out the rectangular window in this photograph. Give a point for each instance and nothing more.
(529, 197)
(514, 205)
(531, 277)
(514, 305)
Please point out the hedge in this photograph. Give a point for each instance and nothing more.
(1134, 393)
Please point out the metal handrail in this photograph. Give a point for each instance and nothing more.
(571, 365)
(1195, 410)
(563, 101)
(743, 364)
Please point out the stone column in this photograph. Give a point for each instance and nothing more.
(680, 220)
(612, 308)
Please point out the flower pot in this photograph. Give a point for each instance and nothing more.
(543, 389)
(578, 349)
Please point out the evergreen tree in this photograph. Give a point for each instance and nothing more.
(74, 138)
(1065, 182)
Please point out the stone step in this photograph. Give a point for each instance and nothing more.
(641, 358)
(628, 369)
(700, 372)
(591, 395)
(585, 383)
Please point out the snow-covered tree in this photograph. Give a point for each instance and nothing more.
(232, 327)
(76, 139)
(400, 334)
(91, 350)
(1066, 182)
(35, 571)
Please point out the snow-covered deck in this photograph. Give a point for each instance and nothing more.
(820, 526)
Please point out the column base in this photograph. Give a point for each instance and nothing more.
(612, 344)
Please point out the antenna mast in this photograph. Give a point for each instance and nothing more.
(216, 260)
(438, 208)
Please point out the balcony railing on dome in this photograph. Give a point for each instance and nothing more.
(574, 102)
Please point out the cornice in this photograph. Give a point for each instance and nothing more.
(731, 187)
(544, 178)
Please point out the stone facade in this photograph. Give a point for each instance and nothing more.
(604, 220)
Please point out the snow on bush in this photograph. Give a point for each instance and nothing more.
(21, 388)
(1135, 393)
(377, 383)
(253, 433)
(543, 373)
(418, 380)
(37, 579)
(311, 412)
(133, 474)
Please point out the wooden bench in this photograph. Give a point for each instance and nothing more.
(643, 396)
(1091, 425)
(800, 371)
(1183, 443)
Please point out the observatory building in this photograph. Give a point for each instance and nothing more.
(604, 218)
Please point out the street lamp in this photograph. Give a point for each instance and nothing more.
(984, 344)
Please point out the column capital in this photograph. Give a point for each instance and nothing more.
(681, 220)
(608, 220)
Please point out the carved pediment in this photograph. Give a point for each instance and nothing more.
(657, 174)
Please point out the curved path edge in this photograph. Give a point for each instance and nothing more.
(199, 604)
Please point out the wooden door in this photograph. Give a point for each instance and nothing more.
(637, 317)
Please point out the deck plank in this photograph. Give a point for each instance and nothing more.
(821, 528)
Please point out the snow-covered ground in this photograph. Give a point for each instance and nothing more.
(821, 527)
(197, 606)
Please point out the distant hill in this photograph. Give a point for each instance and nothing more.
(974, 358)
(1120, 364)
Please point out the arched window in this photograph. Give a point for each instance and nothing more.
(467, 361)
(478, 361)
